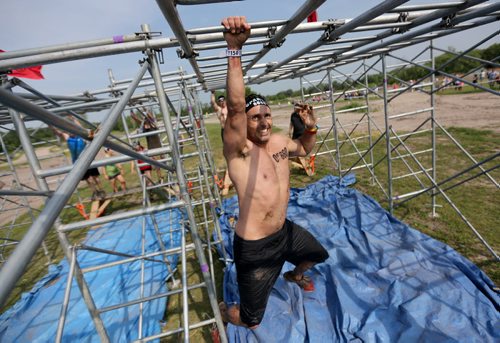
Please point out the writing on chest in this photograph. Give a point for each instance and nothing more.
(281, 155)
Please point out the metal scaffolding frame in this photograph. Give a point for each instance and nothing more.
(367, 41)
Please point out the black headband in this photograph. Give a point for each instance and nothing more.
(255, 102)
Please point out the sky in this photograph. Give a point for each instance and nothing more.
(34, 23)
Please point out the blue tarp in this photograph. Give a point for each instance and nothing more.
(383, 281)
(35, 316)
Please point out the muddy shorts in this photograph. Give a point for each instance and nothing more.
(259, 262)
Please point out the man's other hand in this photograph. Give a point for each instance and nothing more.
(306, 113)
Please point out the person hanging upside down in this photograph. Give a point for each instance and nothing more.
(258, 166)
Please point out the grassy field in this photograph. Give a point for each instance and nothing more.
(478, 200)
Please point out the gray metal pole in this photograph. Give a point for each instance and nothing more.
(334, 123)
(47, 117)
(42, 184)
(433, 127)
(64, 55)
(279, 37)
(348, 26)
(53, 48)
(369, 123)
(67, 293)
(387, 137)
(155, 73)
(172, 16)
(15, 266)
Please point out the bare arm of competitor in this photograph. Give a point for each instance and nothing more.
(235, 129)
(305, 143)
(216, 107)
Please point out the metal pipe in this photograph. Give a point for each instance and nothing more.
(13, 269)
(83, 53)
(49, 118)
(42, 184)
(334, 124)
(103, 162)
(405, 37)
(465, 220)
(433, 127)
(67, 293)
(155, 73)
(348, 26)
(4, 192)
(387, 137)
(277, 39)
(172, 16)
(68, 46)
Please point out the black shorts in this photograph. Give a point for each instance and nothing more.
(111, 177)
(259, 262)
(90, 172)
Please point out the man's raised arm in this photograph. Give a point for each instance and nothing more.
(305, 143)
(213, 102)
(235, 133)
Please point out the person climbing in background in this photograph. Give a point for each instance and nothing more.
(144, 168)
(296, 129)
(264, 239)
(114, 172)
(149, 124)
(76, 145)
(220, 108)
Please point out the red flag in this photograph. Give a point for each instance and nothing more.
(313, 17)
(34, 73)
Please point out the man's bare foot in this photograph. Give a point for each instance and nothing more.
(301, 280)
(232, 315)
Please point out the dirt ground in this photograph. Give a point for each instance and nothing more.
(475, 110)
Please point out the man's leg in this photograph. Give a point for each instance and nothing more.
(113, 184)
(305, 252)
(121, 179)
(91, 185)
(97, 182)
(227, 183)
(232, 315)
(305, 164)
(258, 265)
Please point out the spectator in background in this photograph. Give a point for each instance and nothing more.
(220, 108)
(149, 124)
(76, 145)
(113, 172)
(144, 168)
(491, 78)
(296, 129)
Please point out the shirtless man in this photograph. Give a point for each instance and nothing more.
(220, 108)
(258, 165)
